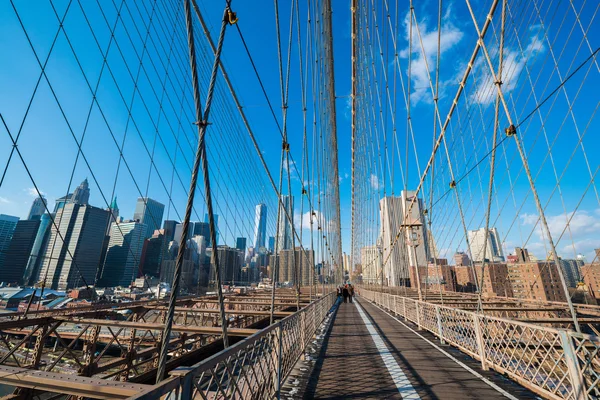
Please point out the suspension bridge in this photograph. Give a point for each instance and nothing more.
(191, 191)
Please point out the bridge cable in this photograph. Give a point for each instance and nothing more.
(202, 122)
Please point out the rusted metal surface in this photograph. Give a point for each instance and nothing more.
(119, 343)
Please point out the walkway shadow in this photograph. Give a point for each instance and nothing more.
(420, 386)
(349, 365)
(313, 380)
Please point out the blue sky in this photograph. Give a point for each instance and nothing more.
(49, 139)
(131, 118)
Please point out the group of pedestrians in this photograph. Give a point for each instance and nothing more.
(346, 291)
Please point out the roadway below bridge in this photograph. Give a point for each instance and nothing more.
(369, 354)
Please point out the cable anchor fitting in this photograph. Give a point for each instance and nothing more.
(511, 130)
(231, 17)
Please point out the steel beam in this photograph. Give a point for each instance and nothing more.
(68, 384)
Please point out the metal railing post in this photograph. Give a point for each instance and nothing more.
(418, 315)
(404, 304)
(395, 305)
(575, 376)
(439, 324)
(185, 387)
(480, 342)
(279, 359)
(303, 334)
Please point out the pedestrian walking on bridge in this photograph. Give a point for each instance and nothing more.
(350, 292)
(346, 293)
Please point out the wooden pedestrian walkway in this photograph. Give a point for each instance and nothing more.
(368, 354)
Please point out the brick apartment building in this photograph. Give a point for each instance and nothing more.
(537, 280)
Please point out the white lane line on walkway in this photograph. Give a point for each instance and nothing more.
(407, 391)
(450, 356)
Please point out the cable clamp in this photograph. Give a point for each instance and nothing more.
(231, 17)
(511, 130)
(498, 82)
(452, 184)
(304, 191)
(286, 146)
(202, 123)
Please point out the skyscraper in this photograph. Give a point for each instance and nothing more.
(571, 271)
(82, 230)
(396, 267)
(37, 251)
(286, 266)
(494, 245)
(240, 244)
(216, 217)
(7, 227)
(347, 263)
(114, 210)
(152, 254)
(169, 229)
(271, 244)
(177, 235)
(150, 213)
(371, 260)
(124, 254)
(202, 229)
(284, 236)
(81, 194)
(17, 253)
(402, 215)
(38, 208)
(420, 239)
(305, 261)
(230, 265)
(260, 226)
(61, 201)
(296, 265)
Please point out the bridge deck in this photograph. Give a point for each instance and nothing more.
(369, 354)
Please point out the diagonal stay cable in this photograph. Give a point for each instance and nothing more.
(202, 122)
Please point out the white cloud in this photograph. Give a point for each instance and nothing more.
(4, 200)
(513, 64)
(348, 108)
(582, 239)
(449, 38)
(318, 220)
(285, 165)
(375, 182)
(32, 192)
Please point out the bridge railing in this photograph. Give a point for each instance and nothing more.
(253, 368)
(555, 363)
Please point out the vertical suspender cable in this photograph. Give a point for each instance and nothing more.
(493, 156)
(353, 123)
(328, 32)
